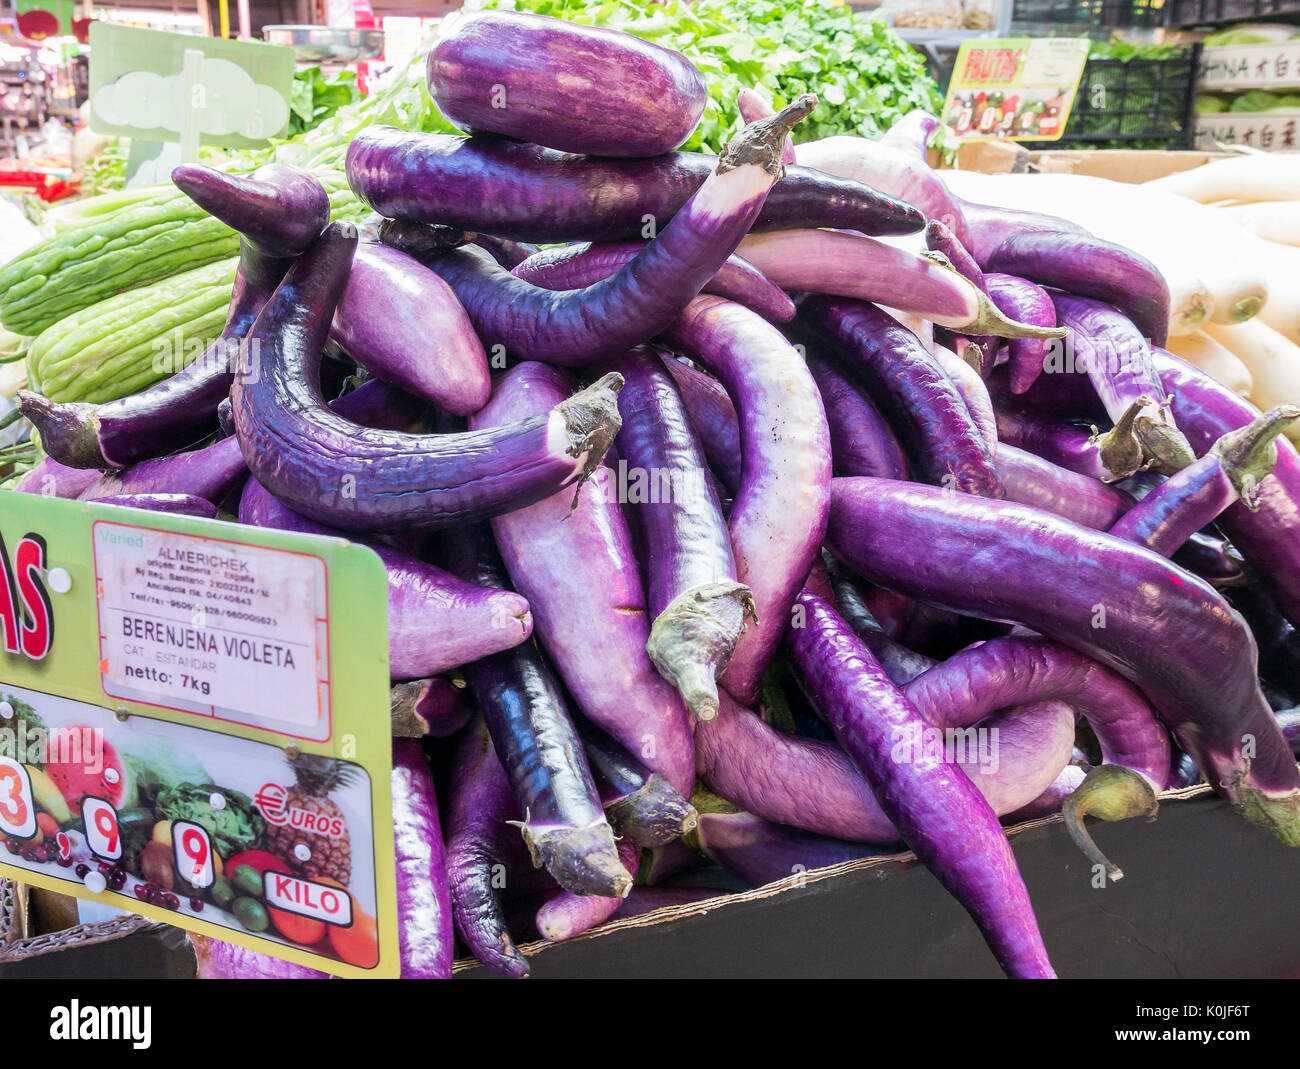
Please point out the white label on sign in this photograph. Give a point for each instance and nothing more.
(213, 627)
(17, 813)
(102, 833)
(193, 853)
(326, 903)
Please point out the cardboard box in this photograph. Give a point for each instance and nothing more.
(1201, 897)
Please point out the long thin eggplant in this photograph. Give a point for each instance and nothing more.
(862, 442)
(279, 209)
(335, 472)
(479, 805)
(577, 567)
(1024, 302)
(778, 516)
(1066, 445)
(1089, 267)
(177, 504)
(942, 242)
(578, 326)
(53, 479)
(641, 804)
(565, 915)
(586, 263)
(1267, 536)
(219, 960)
(210, 473)
(528, 193)
(436, 621)
(698, 606)
(1031, 480)
(713, 416)
(570, 87)
(402, 323)
(911, 388)
(1069, 579)
(941, 816)
(760, 852)
(564, 827)
(424, 920)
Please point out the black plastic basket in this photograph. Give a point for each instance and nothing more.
(1183, 13)
(1104, 13)
(1136, 103)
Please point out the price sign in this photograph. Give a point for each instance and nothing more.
(193, 854)
(17, 813)
(162, 680)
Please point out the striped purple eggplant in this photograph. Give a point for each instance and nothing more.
(713, 417)
(427, 940)
(1031, 480)
(1026, 303)
(862, 442)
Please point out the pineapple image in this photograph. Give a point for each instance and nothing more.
(316, 777)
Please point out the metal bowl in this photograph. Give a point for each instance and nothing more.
(316, 44)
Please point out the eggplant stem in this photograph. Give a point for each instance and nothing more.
(1121, 452)
(1108, 792)
(69, 432)
(989, 320)
(1249, 454)
(1163, 444)
(761, 143)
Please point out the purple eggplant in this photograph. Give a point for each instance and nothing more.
(1068, 580)
(1051, 800)
(1024, 302)
(862, 442)
(1089, 267)
(899, 662)
(402, 323)
(209, 473)
(527, 193)
(424, 924)
(279, 209)
(989, 226)
(760, 852)
(433, 707)
(177, 411)
(645, 900)
(578, 326)
(713, 417)
(779, 513)
(753, 106)
(641, 804)
(1193, 498)
(335, 472)
(942, 242)
(568, 87)
(912, 133)
(699, 608)
(1066, 445)
(1266, 536)
(177, 504)
(479, 804)
(577, 567)
(53, 479)
(564, 827)
(912, 389)
(1117, 360)
(565, 915)
(941, 816)
(1031, 480)
(435, 620)
(218, 960)
(582, 264)
(509, 254)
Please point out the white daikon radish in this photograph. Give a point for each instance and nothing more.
(1214, 358)
(1271, 176)
(1272, 220)
(1272, 360)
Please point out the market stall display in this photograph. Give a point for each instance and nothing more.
(804, 502)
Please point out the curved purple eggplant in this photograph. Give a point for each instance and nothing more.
(53, 479)
(424, 925)
(577, 567)
(1031, 480)
(219, 960)
(778, 517)
(1024, 302)
(584, 263)
(1090, 267)
(941, 816)
(713, 417)
(862, 442)
(178, 504)
(606, 318)
(210, 473)
(279, 209)
(942, 242)
(1066, 445)
(528, 193)
(435, 620)
(1069, 578)
(1267, 536)
(333, 471)
(565, 915)
(698, 606)
(760, 852)
(911, 388)
(565, 86)
(402, 323)
(990, 226)
(479, 806)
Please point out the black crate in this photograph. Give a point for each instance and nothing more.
(1104, 13)
(1184, 13)
(1136, 103)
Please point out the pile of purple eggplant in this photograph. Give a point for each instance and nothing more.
(754, 527)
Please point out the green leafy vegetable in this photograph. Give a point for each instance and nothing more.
(236, 827)
(25, 717)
